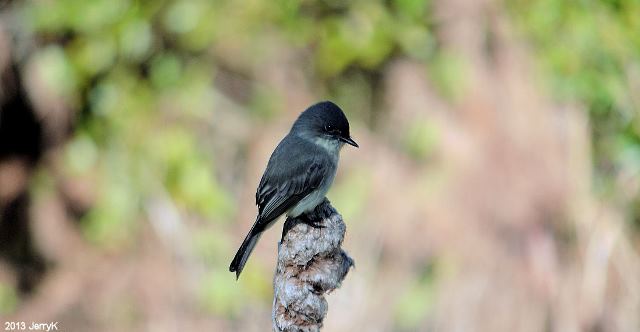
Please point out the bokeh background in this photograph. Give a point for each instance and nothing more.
(496, 187)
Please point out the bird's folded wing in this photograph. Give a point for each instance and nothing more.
(277, 195)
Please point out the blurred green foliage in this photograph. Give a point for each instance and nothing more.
(589, 52)
(421, 138)
(350, 196)
(8, 299)
(418, 297)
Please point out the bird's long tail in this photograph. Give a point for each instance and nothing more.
(245, 250)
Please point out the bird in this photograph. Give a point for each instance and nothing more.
(299, 173)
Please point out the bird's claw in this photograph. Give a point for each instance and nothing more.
(313, 222)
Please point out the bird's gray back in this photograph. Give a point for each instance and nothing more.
(293, 156)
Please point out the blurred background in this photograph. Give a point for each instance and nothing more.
(496, 187)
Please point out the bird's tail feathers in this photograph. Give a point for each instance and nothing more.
(244, 251)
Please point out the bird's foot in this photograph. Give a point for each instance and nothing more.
(313, 221)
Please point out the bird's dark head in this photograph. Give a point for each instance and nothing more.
(324, 120)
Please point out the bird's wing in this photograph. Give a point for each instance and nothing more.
(277, 195)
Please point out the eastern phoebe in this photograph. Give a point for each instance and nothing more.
(299, 173)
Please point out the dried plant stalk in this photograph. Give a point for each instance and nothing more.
(310, 264)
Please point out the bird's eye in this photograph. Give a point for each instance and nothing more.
(328, 128)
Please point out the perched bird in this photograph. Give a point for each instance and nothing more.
(299, 173)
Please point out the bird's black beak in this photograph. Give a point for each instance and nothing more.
(349, 141)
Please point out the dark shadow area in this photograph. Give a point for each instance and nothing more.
(21, 139)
